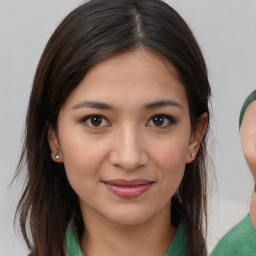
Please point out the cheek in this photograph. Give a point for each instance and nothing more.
(172, 167)
(82, 167)
(172, 154)
(170, 159)
(82, 159)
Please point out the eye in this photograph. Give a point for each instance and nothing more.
(161, 121)
(95, 121)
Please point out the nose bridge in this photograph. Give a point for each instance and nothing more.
(129, 151)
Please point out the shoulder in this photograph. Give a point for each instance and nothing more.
(239, 241)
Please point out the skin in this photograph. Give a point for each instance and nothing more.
(248, 138)
(127, 145)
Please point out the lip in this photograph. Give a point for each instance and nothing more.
(128, 188)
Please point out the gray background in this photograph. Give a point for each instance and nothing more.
(226, 31)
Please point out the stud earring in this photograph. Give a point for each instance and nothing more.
(192, 154)
(57, 156)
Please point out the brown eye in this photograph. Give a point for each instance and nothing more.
(96, 120)
(161, 121)
(158, 120)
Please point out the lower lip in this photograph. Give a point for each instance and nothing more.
(128, 192)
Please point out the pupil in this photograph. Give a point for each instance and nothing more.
(96, 120)
(158, 120)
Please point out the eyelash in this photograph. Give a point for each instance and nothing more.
(170, 120)
(88, 119)
(166, 118)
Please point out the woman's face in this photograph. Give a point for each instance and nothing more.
(124, 136)
(248, 137)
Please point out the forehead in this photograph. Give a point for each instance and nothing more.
(138, 76)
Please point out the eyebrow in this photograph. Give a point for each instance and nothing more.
(93, 104)
(105, 106)
(162, 103)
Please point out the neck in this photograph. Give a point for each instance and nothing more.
(103, 237)
(253, 210)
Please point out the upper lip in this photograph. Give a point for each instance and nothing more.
(128, 183)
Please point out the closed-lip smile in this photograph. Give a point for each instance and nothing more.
(128, 188)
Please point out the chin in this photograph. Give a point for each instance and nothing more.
(129, 216)
(129, 220)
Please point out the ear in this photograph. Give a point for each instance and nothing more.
(54, 146)
(196, 137)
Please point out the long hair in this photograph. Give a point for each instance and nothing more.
(95, 30)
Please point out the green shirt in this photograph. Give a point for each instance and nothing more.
(239, 241)
(178, 246)
(247, 101)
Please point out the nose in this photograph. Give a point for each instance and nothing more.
(128, 150)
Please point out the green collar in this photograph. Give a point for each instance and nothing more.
(247, 101)
(72, 242)
(178, 246)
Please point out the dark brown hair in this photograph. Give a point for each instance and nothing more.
(93, 31)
